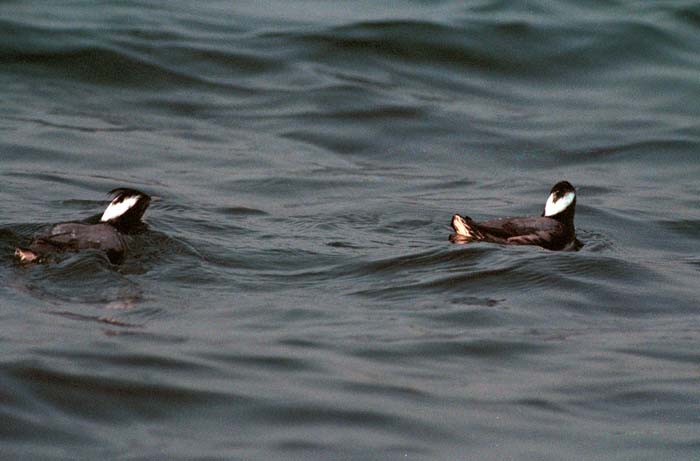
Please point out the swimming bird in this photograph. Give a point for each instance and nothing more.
(553, 230)
(107, 234)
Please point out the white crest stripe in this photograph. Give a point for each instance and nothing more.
(554, 207)
(114, 210)
(460, 226)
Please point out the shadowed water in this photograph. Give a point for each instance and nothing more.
(295, 295)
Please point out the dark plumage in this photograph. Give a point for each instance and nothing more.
(554, 230)
(108, 233)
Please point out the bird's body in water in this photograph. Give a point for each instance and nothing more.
(553, 230)
(108, 234)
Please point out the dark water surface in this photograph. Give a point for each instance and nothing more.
(296, 296)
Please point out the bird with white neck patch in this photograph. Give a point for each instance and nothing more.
(109, 235)
(553, 230)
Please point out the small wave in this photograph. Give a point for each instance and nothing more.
(405, 41)
(683, 227)
(86, 278)
(489, 349)
(240, 211)
(110, 398)
(102, 65)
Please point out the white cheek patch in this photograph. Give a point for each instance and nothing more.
(114, 210)
(555, 207)
(460, 226)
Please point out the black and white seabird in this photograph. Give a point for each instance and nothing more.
(554, 230)
(108, 234)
